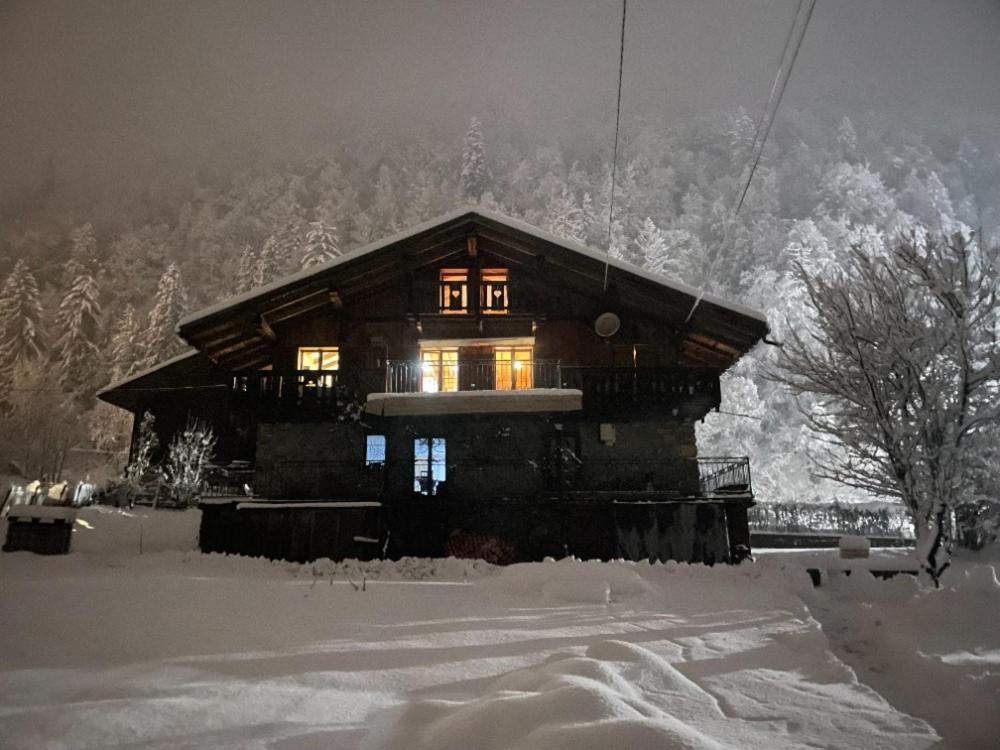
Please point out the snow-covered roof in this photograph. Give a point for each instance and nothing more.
(148, 371)
(239, 333)
(458, 213)
(530, 400)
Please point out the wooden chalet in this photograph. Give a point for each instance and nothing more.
(471, 386)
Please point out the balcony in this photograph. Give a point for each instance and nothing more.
(316, 394)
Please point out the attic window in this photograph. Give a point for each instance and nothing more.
(454, 295)
(493, 291)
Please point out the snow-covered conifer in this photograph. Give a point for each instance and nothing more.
(247, 270)
(20, 319)
(321, 244)
(565, 217)
(124, 345)
(384, 205)
(78, 321)
(474, 175)
(651, 247)
(168, 307)
(847, 139)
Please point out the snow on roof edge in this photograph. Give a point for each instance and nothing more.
(148, 371)
(457, 213)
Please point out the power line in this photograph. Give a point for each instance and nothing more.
(778, 86)
(614, 154)
(773, 109)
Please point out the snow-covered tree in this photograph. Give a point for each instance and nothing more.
(847, 140)
(169, 306)
(78, 320)
(321, 245)
(143, 452)
(651, 247)
(125, 345)
(903, 369)
(270, 262)
(83, 252)
(248, 270)
(20, 319)
(384, 205)
(474, 174)
(565, 216)
(189, 453)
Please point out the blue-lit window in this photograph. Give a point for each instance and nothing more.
(375, 450)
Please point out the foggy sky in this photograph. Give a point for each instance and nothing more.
(104, 88)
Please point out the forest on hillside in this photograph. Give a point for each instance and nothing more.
(92, 288)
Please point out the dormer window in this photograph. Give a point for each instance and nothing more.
(454, 291)
(493, 291)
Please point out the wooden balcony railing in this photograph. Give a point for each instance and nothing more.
(684, 393)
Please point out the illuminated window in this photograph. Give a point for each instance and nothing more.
(438, 370)
(454, 291)
(512, 368)
(318, 359)
(493, 299)
(375, 450)
(429, 465)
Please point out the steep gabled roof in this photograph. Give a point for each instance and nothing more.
(190, 370)
(236, 332)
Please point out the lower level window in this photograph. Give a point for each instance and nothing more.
(429, 465)
(375, 450)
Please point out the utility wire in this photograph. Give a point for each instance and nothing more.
(614, 154)
(778, 86)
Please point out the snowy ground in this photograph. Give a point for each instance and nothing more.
(107, 648)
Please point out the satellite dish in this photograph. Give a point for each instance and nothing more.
(607, 324)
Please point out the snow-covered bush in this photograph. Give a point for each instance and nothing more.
(187, 459)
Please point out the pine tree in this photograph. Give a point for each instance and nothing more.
(20, 320)
(78, 320)
(652, 251)
(474, 176)
(83, 253)
(168, 307)
(847, 140)
(383, 208)
(321, 244)
(269, 266)
(247, 272)
(565, 217)
(124, 345)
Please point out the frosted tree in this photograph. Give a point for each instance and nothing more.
(384, 204)
(651, 247)
(903, 372)
(270, 263)
(125, 345)
(248, 270)
(742, 136)
(474, 175)
(20, 319)
(83, 252)
(188, 456)
(847, 140)
(146, 445)
(321, 244)
(169, 306)
(565, 217)
(78, 320)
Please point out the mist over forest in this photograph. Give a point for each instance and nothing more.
(195, 154)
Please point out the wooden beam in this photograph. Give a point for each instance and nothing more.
(265, 330)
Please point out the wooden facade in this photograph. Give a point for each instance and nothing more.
(453, 376)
